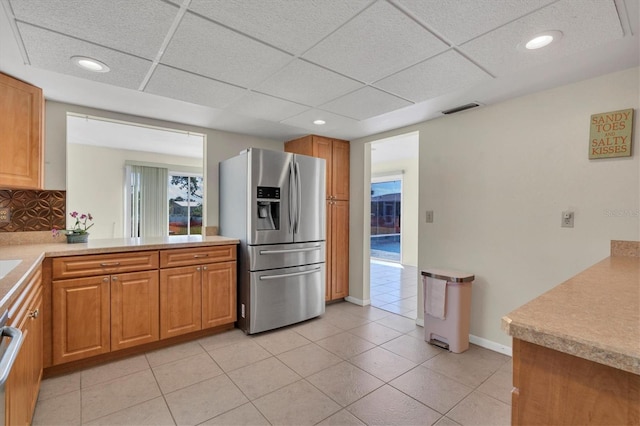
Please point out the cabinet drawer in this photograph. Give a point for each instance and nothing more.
(197, 255)
(89, 265)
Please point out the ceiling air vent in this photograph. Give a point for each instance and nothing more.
(461, 108)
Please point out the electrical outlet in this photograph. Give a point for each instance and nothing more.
(429, 216)
(567, 219)
(5, 215)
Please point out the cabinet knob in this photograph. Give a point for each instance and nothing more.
(34, 314)
(105, 280)
(114, 278)
(204, 268)
(198, 268)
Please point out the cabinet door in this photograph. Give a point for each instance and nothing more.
(340, 170)
(322, 149)
(218, 294)
(339, 249)
(21, 123)
(81, 318)
(23, 383)
(329, 245)
(180, 301)
(135, 311)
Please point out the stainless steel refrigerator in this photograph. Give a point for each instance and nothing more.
(274, 203)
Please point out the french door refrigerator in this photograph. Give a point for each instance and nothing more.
(274, 203)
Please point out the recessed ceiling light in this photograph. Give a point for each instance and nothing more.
(319, 122)
(543, 39)
(90, 64)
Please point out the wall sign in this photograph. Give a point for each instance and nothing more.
(610, 134)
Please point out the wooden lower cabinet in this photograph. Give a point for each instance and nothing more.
(337, 250)
(554, 388)
(23, 384)
(196, 297)
(95, 315)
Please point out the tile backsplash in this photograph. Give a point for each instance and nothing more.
(33, 210)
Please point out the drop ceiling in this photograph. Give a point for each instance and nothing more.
(270, 68)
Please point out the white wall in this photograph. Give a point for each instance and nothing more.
(96, 183)
(409, 208)
(219, 146)
(498, 177)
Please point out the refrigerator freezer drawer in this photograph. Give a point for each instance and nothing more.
(285, 296)
(285, 255)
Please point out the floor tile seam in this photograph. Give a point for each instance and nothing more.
(427, 405)
(271, 391)
(190, 384)
(57, 395)
(111, 380)
(132, 406)
(491, 396)
(117, 411)
(344, 407)
(177, 359)
(450, 377)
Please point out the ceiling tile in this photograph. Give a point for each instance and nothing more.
(208, 49)
(307, 84)
(271, 21)
(305, 121)
(461, 20)
(436, 76)
(178, 84)
(378, 42)
(52, 51)
(365, 103)
(266, 107)
(137, 27)
(584, 24)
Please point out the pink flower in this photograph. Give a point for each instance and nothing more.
(73, 214)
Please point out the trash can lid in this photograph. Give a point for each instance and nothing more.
(448, 275)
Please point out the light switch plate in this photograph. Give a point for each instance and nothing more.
(5, 215)
(429, 216)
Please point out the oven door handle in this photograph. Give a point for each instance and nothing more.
(9, 356)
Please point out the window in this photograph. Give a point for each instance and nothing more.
(386, 207)
(185, 204)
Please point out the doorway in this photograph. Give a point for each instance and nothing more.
(393, 274)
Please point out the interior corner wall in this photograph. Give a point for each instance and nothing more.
(498, 178)
(409, 208)
(219, 146)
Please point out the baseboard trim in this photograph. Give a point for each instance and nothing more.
(488, 344)
(358, 302)
(484, 343)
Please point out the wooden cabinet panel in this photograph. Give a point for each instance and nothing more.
(135, 311)
(197, 256)
(339, 249)
(23, 383)
(218, 294)
(21, 127)
(115, 263)
(340, 170)
(180, 301)
(557, 388)
(336, 154)
(81, 318)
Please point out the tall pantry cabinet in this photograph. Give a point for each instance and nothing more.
(336, 154)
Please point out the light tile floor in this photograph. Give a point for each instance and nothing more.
(352, 366)
(394, 287)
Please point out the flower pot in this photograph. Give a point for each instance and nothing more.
(74, 237)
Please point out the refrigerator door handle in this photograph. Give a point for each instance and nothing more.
(291, 206)
(298, 196)
(300, 250)
(292, 274)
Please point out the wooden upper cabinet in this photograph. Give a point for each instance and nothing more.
(21, 127)
(336, 154)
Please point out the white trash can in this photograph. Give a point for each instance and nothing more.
(447, 308)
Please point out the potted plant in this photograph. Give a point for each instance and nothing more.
(77, 234)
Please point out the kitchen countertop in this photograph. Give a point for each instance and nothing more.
(595, 315)
(31, 255)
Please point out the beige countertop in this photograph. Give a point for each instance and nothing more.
(31, 255)
(594, 315)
